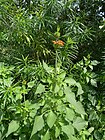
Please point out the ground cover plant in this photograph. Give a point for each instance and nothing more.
(52, 79)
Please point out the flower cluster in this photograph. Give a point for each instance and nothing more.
(58, 42)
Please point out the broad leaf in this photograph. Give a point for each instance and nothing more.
(8, 82)
(40, 88)
(72, 138)
(13, 126)
(62, 75)
(70, 81)
(79, 123)
(70, 96)
(79, 108)
(70, 114)
(57, 132)
(68, 130)
(45, 66)
(31, 84)
(46, 136)
(51, 119)
(38, 125)
(80, 91)
(57, 88)
(94, 83)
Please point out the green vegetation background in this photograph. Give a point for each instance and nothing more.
(52, 70)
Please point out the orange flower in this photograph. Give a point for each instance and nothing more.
(58, 42)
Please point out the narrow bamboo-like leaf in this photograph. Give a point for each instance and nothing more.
(51, 119)
(38, 125)
(13, 126)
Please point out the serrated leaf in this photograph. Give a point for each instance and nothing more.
(46, 136)
(38, 125)
(70, 114)
(13, 126)
(51, 119)
(68, 130)
(40, 88)
(79, 123)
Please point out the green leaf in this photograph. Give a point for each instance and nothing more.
(70, 114)
(45, 66)
(80, 91)
(72, 138)
(68, 130)
(31, 84)
(13, 126)
(94, 83)
(22, 137)
(51, 119)
(79, 108)
(40, 88)
(57, 132)
(79, 123)
(70, 81)
(62, 75)
(46, 136)
(91, 129)
(70, 96)
(38, 125)
(94, 62)
(8, 82)
(57, 88)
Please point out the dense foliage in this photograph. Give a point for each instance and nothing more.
(52, 70)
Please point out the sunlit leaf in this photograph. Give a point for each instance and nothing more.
(79, 123)
(51, 119)
(38, 125)
(13, 126)
(70, 114)
(46, 136)
(57, 132)
(68, 130)
(45, 66)
(31, 84)
(40, 88)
